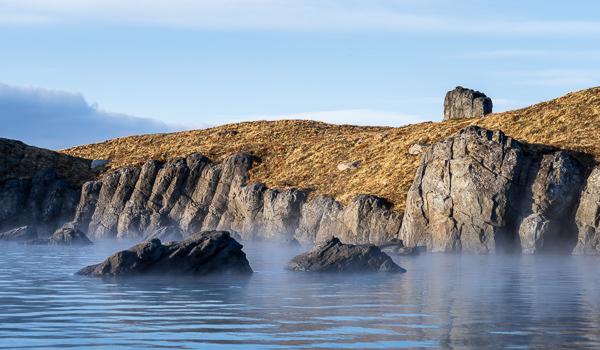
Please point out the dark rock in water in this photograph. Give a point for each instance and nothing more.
(395, 250)
(332, 256)
(290, 242)
(466, 103)
(165, 234)
(37, 241)
(19, 234)
(209, 252)
(69, 236)
(396, 247)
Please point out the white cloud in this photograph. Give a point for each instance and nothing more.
(58, 119)
(310, 15)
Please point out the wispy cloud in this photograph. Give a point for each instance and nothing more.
(518, 53)
(304, 15)
(58, 119)
(351, 117)
(567, 78)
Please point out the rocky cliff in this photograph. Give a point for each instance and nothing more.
(194, 195)
(481, 191)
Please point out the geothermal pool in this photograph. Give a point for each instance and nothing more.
(443, 301)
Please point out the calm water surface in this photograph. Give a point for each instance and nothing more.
(444, 301)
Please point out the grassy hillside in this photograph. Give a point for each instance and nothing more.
(305, 154)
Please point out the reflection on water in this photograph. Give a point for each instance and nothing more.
(444, 301)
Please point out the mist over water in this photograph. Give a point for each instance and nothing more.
(443, 301)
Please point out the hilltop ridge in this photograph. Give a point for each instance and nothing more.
(304, 154)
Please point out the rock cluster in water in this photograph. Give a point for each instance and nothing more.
(334, 256)
(204, 253)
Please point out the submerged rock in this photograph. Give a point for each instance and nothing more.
(69, 236)
(290, 242)
(332, 256)
(396, 247)
(19, 234)
(209, 252)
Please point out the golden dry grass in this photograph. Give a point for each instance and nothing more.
(305, 154)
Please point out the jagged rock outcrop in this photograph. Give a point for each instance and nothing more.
(480, 192)
(588, 216)
(334, 256)
(466, 103)
(45, 202)
(210, 252)
(19, 234)
(193, 194)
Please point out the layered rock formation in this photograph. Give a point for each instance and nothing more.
(193, 194)
(480, 192)
(466, 103)
(334, 256)
(211, 252)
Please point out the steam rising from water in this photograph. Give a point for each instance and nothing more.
(444, 301)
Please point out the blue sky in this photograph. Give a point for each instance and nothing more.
(75, 72)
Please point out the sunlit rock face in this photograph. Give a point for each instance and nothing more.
(588, 216)
(194, 194)
(204, 253)
(479, 192)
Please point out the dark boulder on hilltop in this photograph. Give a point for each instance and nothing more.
(466, 103)
(210, 252)
(334, 256)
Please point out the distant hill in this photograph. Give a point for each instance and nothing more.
(305, 154)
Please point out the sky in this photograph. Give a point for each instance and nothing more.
(80, 71)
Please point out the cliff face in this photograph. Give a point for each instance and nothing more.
(479, 191)
(196, 195)
(39, 187)
(45, 202)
